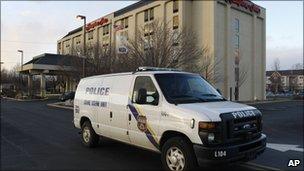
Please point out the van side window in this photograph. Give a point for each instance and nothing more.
(144, 91)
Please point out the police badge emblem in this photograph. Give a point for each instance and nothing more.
(142, 123)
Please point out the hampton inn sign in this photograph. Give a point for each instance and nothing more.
(95, 23)
(248, 5)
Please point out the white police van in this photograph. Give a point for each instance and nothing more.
(176, 113)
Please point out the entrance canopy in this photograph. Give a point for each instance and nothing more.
(47, 63)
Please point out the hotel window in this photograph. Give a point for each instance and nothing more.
(105, 30)
(124, 34)
(126, 23)
(146, 44)
(146, 30)
(175, 6)
(175, 38)
(146, 15)
(237, 25)
(149, 15)
(237, 42)
(78, 41)
(67, 44)
(151, 29)
(90, 35)
(122, 23)
(175, 22)
(105, 41)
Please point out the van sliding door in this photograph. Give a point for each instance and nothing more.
(118, 107)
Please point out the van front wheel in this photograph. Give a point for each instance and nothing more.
(177, 154)
(88, 136)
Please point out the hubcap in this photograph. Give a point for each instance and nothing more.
(86, 134)
(175, 159)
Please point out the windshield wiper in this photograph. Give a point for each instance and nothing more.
(211, 95)
(183, 98)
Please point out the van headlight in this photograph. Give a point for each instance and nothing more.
(209, 132)
(207, 126)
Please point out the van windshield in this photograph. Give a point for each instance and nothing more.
(181, 88)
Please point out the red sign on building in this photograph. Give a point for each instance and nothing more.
(246, 4)
(95, 23)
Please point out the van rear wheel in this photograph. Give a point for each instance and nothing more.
(178, 154)
(88, 136)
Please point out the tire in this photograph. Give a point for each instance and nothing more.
(177, 147)
(88, 136)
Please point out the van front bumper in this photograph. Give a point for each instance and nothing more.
(240, 152)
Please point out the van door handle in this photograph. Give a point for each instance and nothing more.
(130, 117)
(111, 115)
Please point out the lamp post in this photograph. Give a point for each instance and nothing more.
(82, 17)
(21, 68)
(21, 51)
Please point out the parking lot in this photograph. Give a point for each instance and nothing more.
(34, 136)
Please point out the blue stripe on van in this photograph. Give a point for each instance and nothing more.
(148, 133)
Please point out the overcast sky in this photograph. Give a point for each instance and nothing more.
(35, 27)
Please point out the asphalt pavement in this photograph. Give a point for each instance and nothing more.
(37, 137)
(283, 125)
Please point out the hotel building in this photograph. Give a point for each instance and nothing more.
(234, 31)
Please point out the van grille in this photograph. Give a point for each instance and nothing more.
(240, 130)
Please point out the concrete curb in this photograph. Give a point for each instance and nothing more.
(270, 101)
(25, 100)
(57, 105)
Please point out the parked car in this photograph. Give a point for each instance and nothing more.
(67, 96)
(269, 94)
(175, 113)
(289, 94)
(299, 96)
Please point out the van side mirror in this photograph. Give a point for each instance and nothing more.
(219, 91)
(141, 96)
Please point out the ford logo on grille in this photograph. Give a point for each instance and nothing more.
(246, 126)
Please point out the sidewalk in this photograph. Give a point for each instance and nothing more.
(267, 101)
(62, 105)
(25, 100)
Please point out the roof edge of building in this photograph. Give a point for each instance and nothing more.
(115, 13)
(132, 7)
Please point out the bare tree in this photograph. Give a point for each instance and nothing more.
(276, 77)
(97, 60)
(276, 64)
(240, 74)
(207, 66)
(16, 81)
(157, 45)
(5, 76)
(297, 66)
(102, 60)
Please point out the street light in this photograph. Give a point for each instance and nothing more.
(21, 51)
(82, 17)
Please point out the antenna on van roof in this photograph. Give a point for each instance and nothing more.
(141, 69)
